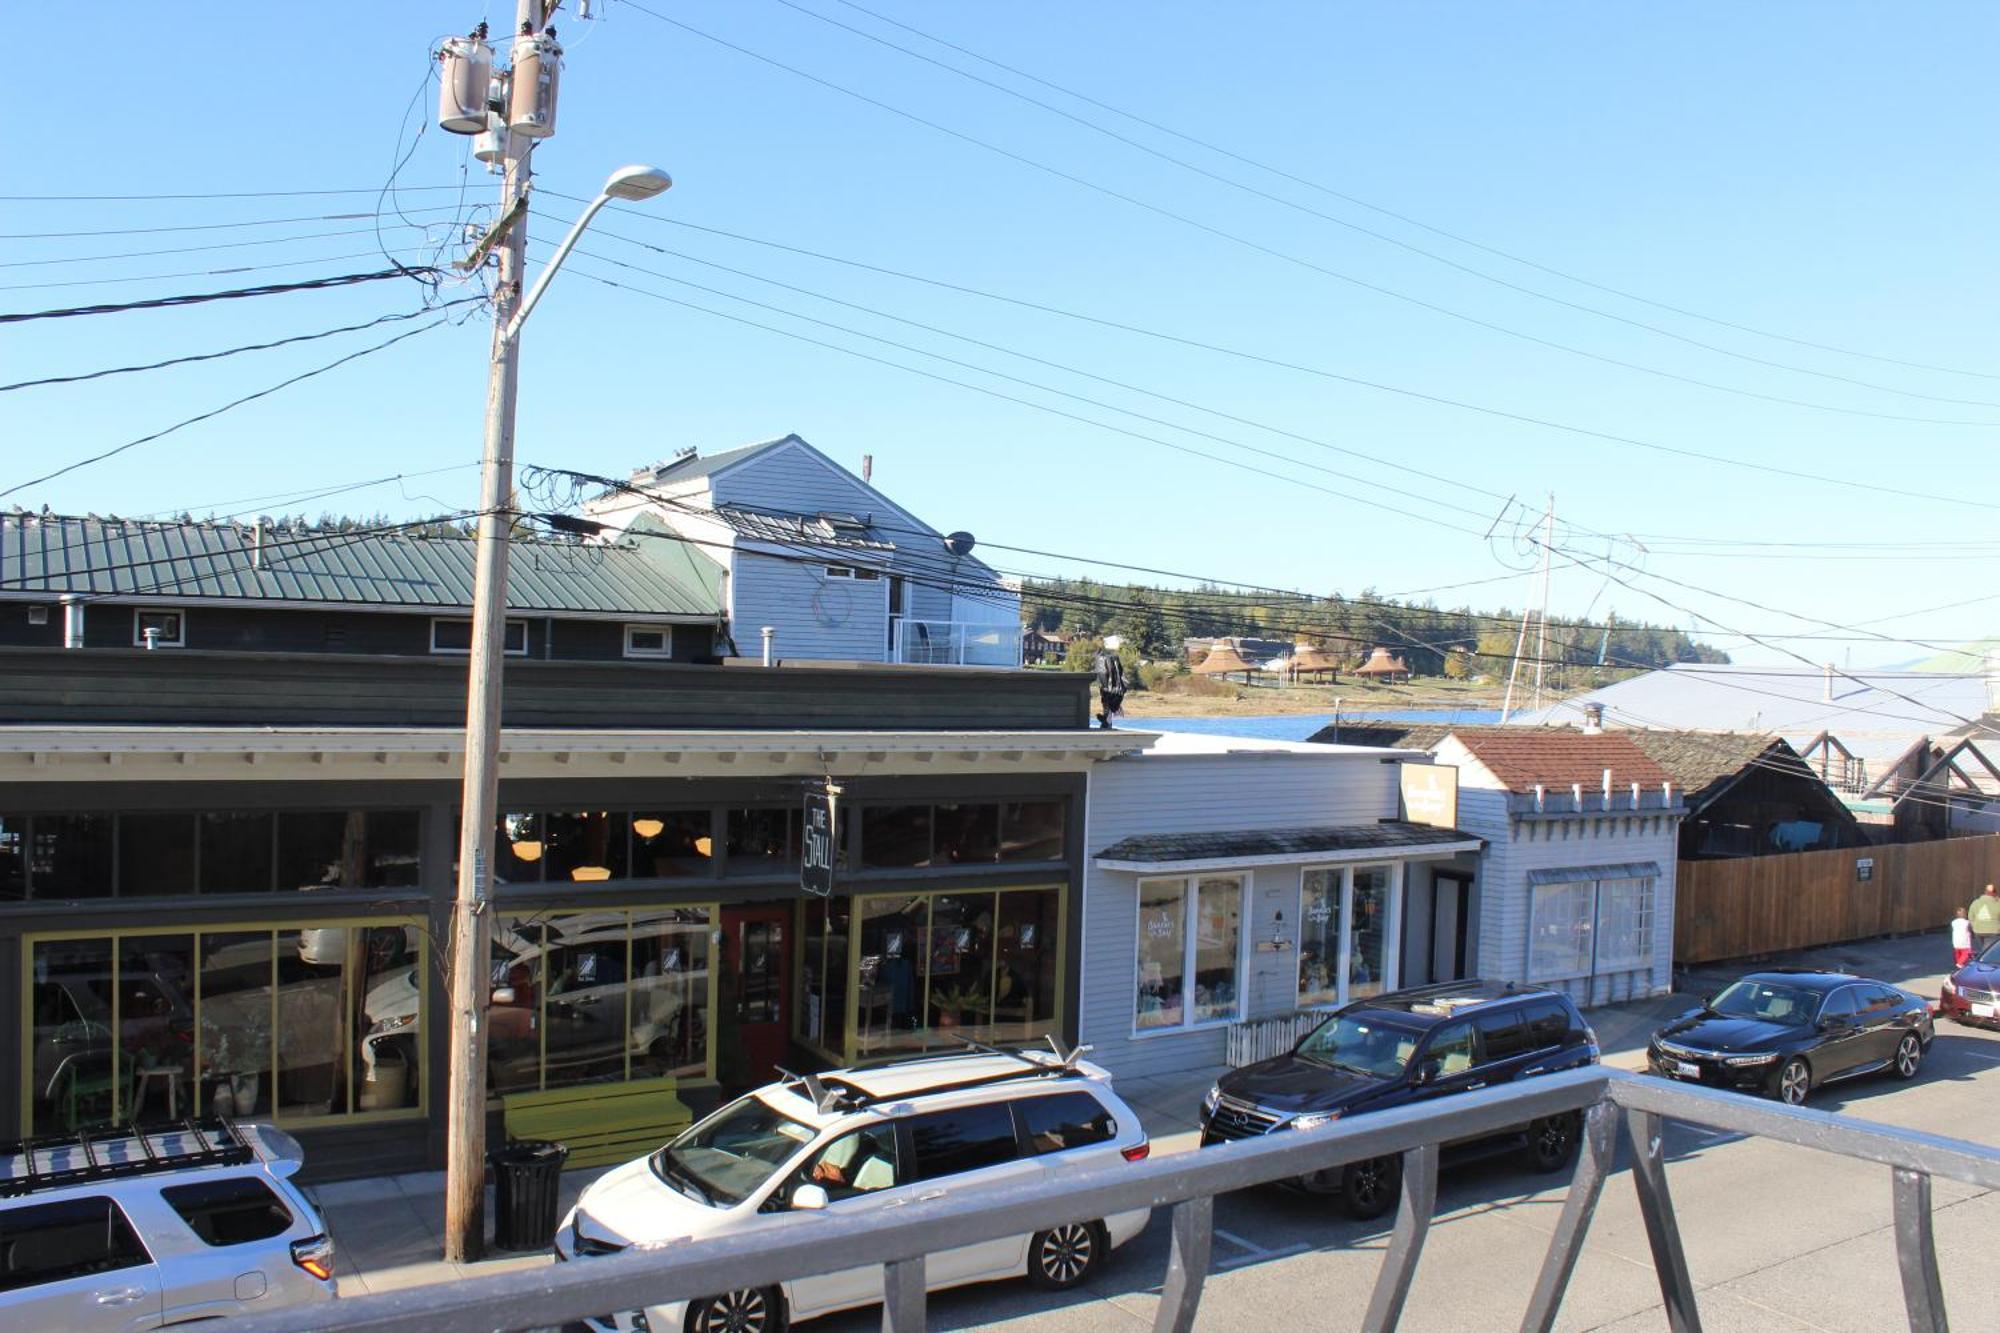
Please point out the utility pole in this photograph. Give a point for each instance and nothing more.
(465, 1150)
(1542, 633)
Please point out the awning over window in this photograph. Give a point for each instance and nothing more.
(1231, 849)
(1574, 874)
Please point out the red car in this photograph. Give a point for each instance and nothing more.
(1972, 994)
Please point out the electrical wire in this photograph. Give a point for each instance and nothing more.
(226, 194)
(208, 226)
(68, 468)
(298, 497)
(229, 271)
(237, 294)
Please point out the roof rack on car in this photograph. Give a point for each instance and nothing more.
(108, 1154)
(832, 1092)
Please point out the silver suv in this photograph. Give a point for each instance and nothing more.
(137, 1228)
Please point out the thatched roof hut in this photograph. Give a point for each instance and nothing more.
(1224, 660)
(1383, 665)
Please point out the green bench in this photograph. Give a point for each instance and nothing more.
(602, 1123)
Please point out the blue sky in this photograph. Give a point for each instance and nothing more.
(1811, 170)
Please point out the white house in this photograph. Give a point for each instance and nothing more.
(835, 568)
(1229, 880)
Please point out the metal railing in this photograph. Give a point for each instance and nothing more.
(956, 643)
(1614, 1103)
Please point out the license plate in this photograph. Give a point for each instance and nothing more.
(1686, 1070)
(1984, 1010)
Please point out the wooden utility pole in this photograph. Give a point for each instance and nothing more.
(1542, 634)
(465, 1127)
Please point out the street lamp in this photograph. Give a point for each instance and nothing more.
(465, 1155)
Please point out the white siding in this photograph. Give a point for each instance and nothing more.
(1207, 793)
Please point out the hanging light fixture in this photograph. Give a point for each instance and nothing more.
(583, 873)
(702, 845)
(528, 849)
(648, 827)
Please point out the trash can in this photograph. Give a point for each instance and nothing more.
(527, 1175)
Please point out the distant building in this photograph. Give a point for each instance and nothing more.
(1383, 665)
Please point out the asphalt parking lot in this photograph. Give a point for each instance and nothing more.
(1777, 1238)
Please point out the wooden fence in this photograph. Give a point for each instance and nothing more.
(1766, 904)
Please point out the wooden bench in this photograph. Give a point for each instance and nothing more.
(601, 1123)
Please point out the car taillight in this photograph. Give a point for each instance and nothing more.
(315, 1255)
(1139, 1151)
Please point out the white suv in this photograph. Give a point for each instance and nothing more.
(856, 1140)
(136, 1229)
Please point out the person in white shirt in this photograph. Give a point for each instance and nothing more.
(1961, 939)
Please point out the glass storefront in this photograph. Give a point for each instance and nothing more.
(1346, 935)
(927, 968)
(150, 1026)
(1190, 952)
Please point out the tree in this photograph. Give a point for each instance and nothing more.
(1458, 664)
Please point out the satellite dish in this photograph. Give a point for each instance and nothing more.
(959, 543)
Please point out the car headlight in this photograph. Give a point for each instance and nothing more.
(1210, 1102)
(1754, 1058)
(1314, 1119)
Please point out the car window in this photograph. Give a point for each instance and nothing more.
(1067, 1120)
(1841, 1004)
(948, 1142)
(1452, 1046)
(232, 1211)
(1765, 1001)
(1548, 1024)
(857, 1163)
(1502, 1033)
(55, 1241)
(1884, 999)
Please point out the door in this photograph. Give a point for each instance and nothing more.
(1882, 1022)
(970, 1148)
(1451, 901)
(1844, 1041)
(861, 1172)
(75, 1263)
(757, 992)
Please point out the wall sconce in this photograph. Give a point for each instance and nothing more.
(1281, 938)
(650, 828)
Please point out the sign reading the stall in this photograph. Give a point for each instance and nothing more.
(816, 852)
(1430, 794)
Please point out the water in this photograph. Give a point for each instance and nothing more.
(1302, 726)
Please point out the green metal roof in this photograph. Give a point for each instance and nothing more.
(46, 555)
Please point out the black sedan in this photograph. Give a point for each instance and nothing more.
(1785, 1033)
(1972, 994)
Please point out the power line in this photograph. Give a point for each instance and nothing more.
(225, 194)
(301, 497)
(193, 249)
(236, 294)
(233, 351)
(1313, 266)
(228, 271)
(1350, 198)
(218, 411)
(209, 226)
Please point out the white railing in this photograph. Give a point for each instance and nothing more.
(956, 643)
(1267, 1038)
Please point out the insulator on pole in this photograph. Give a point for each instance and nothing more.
(531, 101)
(465, 75)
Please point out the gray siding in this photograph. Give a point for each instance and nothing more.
(1211, 792)
(816, 618)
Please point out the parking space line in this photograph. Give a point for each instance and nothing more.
(1253, 1252)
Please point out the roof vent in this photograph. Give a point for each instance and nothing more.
(1593, 719)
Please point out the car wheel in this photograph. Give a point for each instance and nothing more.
(1794, 1082)
(1909, 1055)
(752, 1310)
(1062, 1257)
(1552, 1142)
(1368, 1189)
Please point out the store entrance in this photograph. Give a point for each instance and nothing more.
(756, 994)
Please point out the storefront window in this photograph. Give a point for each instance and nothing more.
(236, 851)
(896, 836)
(966, 834)
(762, 842)
(70, 856)
(13, 858)
(584, 848)
(669, 992)
(1218, 945)
(1560, 927)
(1367, 962)
(890, 1004)
(73, 1077)
(1319, 939)
(156, 854)
(345, 849)
(513, 1014)
(673, 844)
(1032, 830)
(233, 1044)
(155, 1023)
(518, 849)
(1162, 953)
(1190, 949)
(1028, 982)
(961, 963)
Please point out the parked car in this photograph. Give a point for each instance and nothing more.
(1972, 994)
(1409, 1046)
(855, 1141)
(1784, 1033)
(157, 1227)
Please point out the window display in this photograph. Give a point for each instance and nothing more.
(1190, 951)
(1320, 926)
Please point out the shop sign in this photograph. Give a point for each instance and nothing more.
(1864, 869)
(816, 853)
(1430, 794)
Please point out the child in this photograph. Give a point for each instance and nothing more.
(1961, 939)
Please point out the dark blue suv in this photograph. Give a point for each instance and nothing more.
(1410, 1046)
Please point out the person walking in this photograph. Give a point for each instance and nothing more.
(1961, 940)
(1985, 917)
(1111, 682)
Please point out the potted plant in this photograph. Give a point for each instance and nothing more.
(955, 1003)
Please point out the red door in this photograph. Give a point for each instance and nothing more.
(758, 958)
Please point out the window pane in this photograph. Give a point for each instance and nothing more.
(810, 1025)
(584, 848)
(1625, 923)
(949, 1142)
(395, 845)
(857, 1163)
(967, 834)
(837, 912)
(235, 852)
(1067, 1120)
(1367, 965)
(762, 842)
(155, 855)
(891, 1013)
(235, 1038)
(1032, 830)
(670, 966)
(1217, 945)
(385, 1066)
(71, 856)
(316, 1017)
(518, 849)
(13, 858)
(70, 1238)
(961, 963)
(673, 843)
(1504, 1035)
(1162, 945)
(1452, 1047)
(72, 1061)
(896, 835)
(1025, 999)
(1559, 931)
(235, 1211)
(586, 967)
(319, 849)
(156, 1027)
(513, 1015)
(1319, 938)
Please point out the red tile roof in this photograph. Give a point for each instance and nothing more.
(1523, 756)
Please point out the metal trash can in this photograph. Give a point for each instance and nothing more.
(527, 1175)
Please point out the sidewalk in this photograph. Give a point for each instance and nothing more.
(388, 1232)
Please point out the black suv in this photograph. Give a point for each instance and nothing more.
(1410, 1046)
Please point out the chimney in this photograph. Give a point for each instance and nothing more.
(1826, 696)
(72, 621)
(1593, 719)
(257, 544)
(867, 467)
